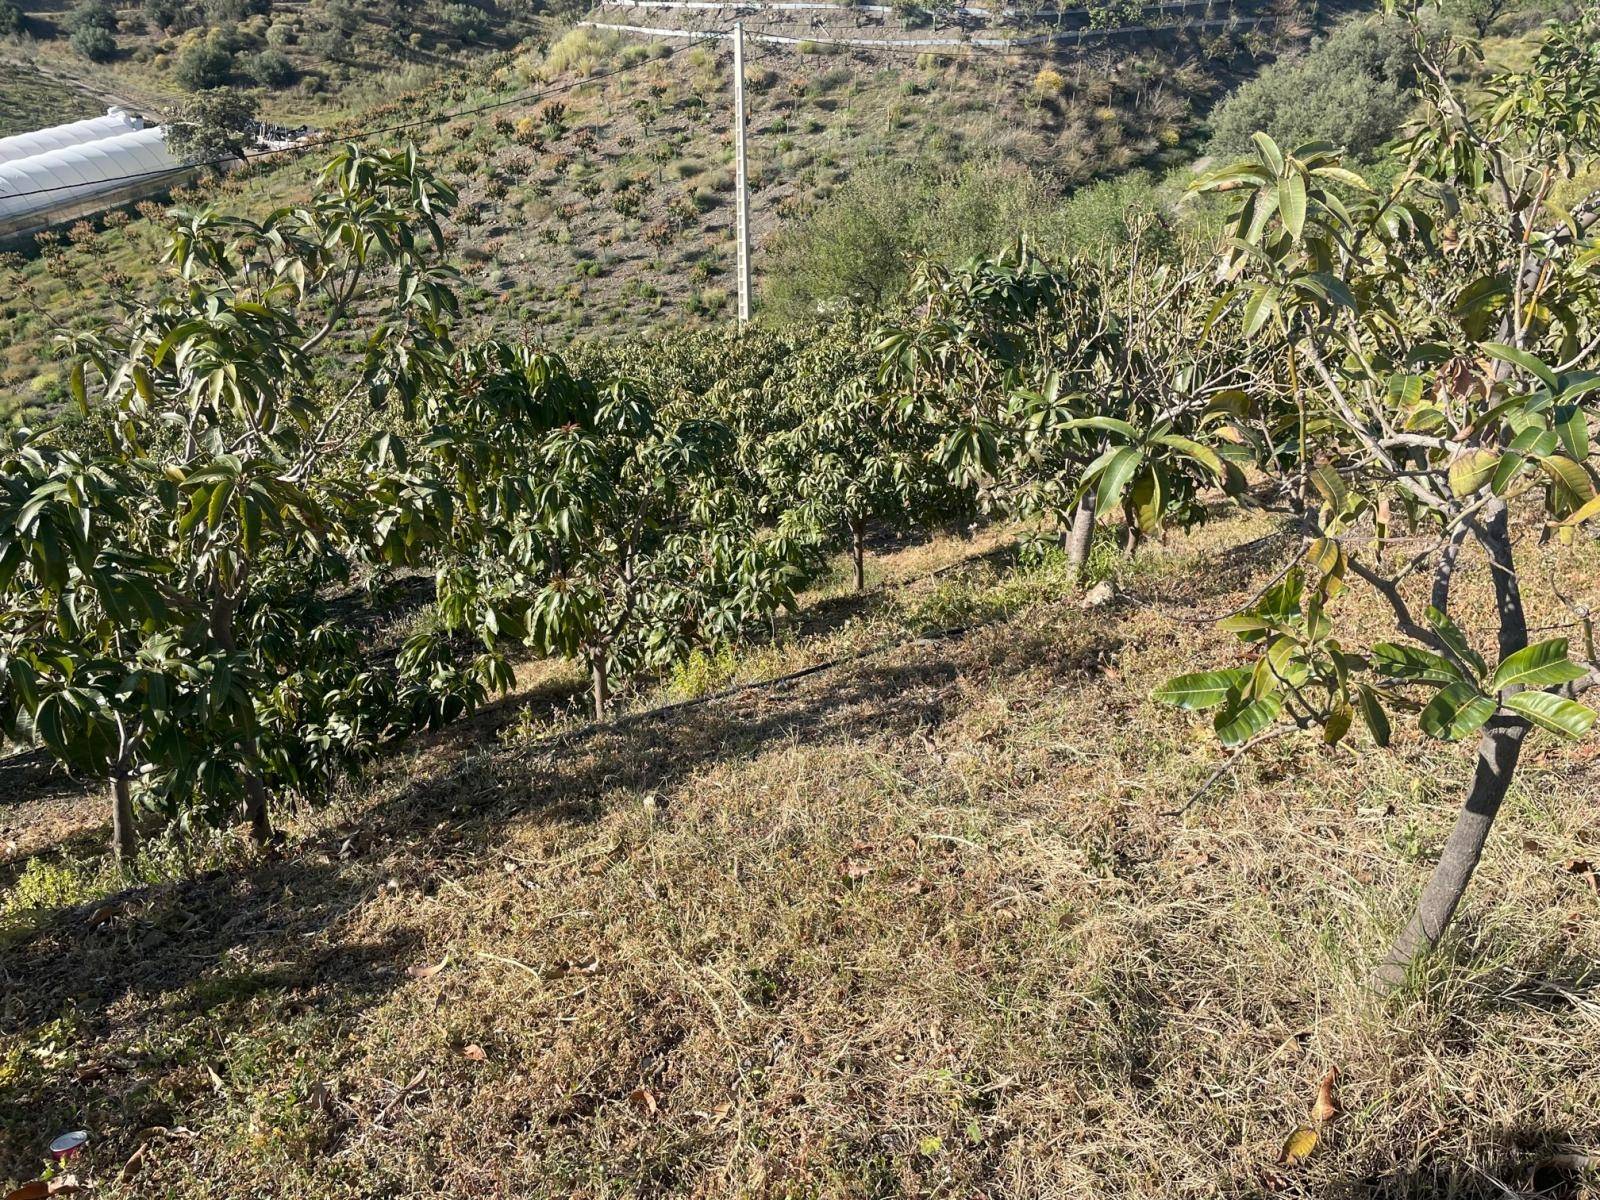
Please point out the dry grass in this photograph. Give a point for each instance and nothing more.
(912, 927)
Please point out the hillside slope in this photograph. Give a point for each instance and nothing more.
(606, 206)
(927, 923)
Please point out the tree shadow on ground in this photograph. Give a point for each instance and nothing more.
(223, 944)
(1518, 1161)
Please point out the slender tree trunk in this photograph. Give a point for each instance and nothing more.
(858, 553)
(1444, 574)
(602, 685)
(1080, 536)
(256, 808)
(1498, 751)
(124, 837)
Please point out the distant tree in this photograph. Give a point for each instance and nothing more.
(464, 21)
(94, 43)
(271, 68)
(92, 14)
(211, 125)
(168, 16)
(1478, 14)
(203, 66)
(1351, 90)
(10, 19)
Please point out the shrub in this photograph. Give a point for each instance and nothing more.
(271, 68)
(94, 43)
(1351, 90)
(464, 21)
(92, 14)
(203, 65)
(1048, 83)
(10, 19)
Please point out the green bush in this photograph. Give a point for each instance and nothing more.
(271, 68)
(203, 65)
(10, 19)
(94, 43)
(1351, 90)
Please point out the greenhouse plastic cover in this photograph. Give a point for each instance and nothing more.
(57, 137)
(71, 173)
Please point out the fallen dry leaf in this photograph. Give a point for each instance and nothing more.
(1297, 1147)
(39, 1189)
(643, 1099)
(1327, 1106)
(428, 972)
(474, 1052)
(135, 1161)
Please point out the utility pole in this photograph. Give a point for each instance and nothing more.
(742, 181)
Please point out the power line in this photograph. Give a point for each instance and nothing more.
(439, 119)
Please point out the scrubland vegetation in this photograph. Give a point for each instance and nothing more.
(1086, 697)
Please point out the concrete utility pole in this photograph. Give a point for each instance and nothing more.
(742, 189)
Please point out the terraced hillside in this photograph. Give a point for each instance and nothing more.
(597, 192)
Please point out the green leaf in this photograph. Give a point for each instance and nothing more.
(1201, 690)
(1413, 664)
(1292, 204)
(1470, 470)
(1539, 665)
(1456, 711)
(1452, 635)
(1241, 720)
(1372, 713)
(1526, 361)
(1114, 479)
(1267, 151)
(1555, 713)
(1571, 480)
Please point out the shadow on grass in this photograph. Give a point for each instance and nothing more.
(243, 949)
(1526, 1161)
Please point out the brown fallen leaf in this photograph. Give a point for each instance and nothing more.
(474, 1052)
(643, 1099)
(135, 1162)
(40, 1189)
(428, 972)
(1297, 1147)
(1327, 1106)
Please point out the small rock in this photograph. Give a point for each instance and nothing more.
(1100, 595)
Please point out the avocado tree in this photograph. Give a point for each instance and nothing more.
(1441, 336)
(158, 566)
(1071, 392)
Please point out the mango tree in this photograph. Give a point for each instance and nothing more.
(580, 521)
(1443, 333)
(149, 570)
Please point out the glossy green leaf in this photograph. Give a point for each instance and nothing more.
(1201, 690)
(1456, 712)
(1555, 713)
(1542, 664)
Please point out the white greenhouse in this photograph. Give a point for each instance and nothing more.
(68, 171)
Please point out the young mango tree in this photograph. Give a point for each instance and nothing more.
(580, 521)
(837, 456)
(1444, 335)
(148, 575)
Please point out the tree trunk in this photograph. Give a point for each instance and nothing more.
(1444, 574)
(256, 809)
(1080, 537)
(124, 837)
(858, 553)
(1498, 751)
(602, 686)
